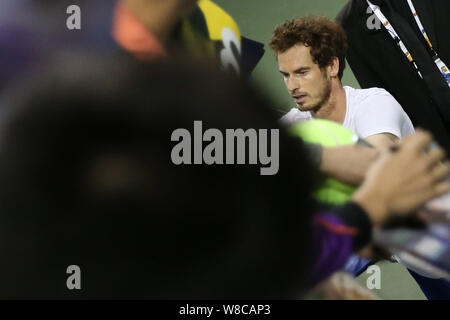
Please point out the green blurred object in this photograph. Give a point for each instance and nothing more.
(327, 134)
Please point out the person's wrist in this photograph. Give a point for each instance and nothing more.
(373, 203)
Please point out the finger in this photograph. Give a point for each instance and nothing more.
(417, 142)
(435, 191)
(436, 155)
(441, 188)
(417, 198)
(440, 172)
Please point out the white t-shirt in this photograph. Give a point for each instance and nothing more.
(368, 112)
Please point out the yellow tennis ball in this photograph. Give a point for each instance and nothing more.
(327, 134)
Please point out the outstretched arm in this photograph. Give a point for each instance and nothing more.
(382, 141)
(348, 163)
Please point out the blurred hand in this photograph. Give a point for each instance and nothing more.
(348, 164)
(341, 286)
(402, 180)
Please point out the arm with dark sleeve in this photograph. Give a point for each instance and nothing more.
(336, 235)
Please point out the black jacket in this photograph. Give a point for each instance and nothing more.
(377, 61)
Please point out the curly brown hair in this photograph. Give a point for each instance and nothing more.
(325, 37)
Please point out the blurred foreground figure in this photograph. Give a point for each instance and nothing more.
(87, 179)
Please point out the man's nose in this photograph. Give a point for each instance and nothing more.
(292, 85)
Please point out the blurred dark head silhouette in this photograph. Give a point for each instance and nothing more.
(87, 180)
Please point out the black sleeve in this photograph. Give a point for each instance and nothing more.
(354, 216)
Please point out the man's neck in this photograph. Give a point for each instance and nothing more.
(335, 108)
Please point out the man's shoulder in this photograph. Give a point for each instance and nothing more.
(359, 95)
(375, 110)
(295, 115)
(379, 99)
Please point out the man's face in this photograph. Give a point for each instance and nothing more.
(308, 85)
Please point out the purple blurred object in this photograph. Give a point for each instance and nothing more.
(32, 31)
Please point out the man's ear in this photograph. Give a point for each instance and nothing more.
(333, 68)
